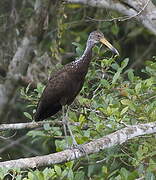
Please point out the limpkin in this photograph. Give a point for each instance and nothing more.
(65, 84)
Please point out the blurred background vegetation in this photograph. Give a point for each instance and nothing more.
(117, 91)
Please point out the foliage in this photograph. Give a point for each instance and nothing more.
(111, 98)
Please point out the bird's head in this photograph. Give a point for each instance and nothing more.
(96, 37)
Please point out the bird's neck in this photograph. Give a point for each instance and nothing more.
(80, 66)
(85, 59)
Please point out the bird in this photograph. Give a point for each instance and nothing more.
(65, 84)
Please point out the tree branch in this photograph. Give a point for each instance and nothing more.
(29, 125)
(23, 56)
(32, 125)
(143, 10)
(95, 146)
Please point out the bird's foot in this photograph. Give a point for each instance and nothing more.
(79, 147)
(123, 123)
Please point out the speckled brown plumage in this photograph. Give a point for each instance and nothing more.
(64, 85)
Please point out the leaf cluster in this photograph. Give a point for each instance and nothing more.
(112, 97)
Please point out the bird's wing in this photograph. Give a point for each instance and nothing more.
(52, 96)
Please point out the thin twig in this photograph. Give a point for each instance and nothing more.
(121, 18)
(153, 97)
(147, 19)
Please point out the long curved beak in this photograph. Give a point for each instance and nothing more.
(105, 42)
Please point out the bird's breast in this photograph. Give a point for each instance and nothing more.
(78, 70)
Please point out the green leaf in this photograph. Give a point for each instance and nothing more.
(57, 170)
(115, 66)
(27, 89)
(133, 175)
(28, 115)
(35, 133)
(82, 118)
(70, 164)
(76, 44)
(96, 49)
(124, 63)
(49, 173)
(79, 51)
(124, 173)
(47, 126)
(80, 175)
(124, 110)
(131, 75)
(79, 48)
(74, 6)
(116, 76)
(3, 172)
(105, 83)
(19, 177)
(40, 88)
(64, 174)
(138, 88)
(84, 101)
(70, 174)
(32, 176)
(149, 176)
(125, 101)
(104, 169)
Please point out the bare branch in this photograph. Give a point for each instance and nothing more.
(32, 125)
(143, 10)
(22, 57)
(123, 18)
(95, 146)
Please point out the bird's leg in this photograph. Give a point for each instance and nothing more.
(74, 143)
(64, 120)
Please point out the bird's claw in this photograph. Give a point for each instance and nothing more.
(79, 147)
